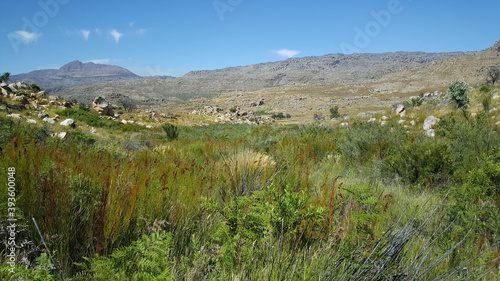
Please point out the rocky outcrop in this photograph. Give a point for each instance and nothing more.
(103, 106)
(430, 124)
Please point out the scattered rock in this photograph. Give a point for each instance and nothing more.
(13, 88)
(93, 131)
(401, 121)
(430, 123)
(43, 115)
(385, 118)
(49, 120)
(67, 122)
(31, 121)
(401, 109)
(15, 116)
(149, 126)
(21, 99)
(124, 121)
(3, 107)
(23, 86)
(61, 135)
(140, 123)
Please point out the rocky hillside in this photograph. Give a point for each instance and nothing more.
(333, 68)
(74, 74)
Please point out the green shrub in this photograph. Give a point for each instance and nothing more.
(280, 115)
(413, 102)
(334, 112)
(457, 93)
(145, 259)
(419, 160)
(171, 131)
(485, 96)
(35, 87)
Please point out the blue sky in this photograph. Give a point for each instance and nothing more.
(172, 37)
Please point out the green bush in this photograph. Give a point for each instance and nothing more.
(485, 96)
(35, 87)
(457, 93)
(413, 102)
(280, 115)
(171, 131)
(145, 259)
(334, 112)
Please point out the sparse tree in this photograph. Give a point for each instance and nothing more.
(457, 92)
(493, 75)
(5, 77)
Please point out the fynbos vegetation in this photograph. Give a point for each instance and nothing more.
(371, 200)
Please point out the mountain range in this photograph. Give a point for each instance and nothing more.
(418, 70)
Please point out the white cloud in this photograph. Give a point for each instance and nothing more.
(131, 24)
(100, 61)
(98, 31)
(117, 35)
(28, 37)
(287, 53)
(85, 34)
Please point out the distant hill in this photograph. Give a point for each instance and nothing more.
(74, 74)
(332, 68)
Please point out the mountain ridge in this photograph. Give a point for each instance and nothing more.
(331, 68)
(75, 73)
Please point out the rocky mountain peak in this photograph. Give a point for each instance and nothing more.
(72, 66)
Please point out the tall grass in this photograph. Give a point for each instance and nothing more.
(266, 203)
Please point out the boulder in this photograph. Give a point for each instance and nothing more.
(430, 123)
(61, 135)
(401, 109)
(15, 116)
(43, 115)
(67, 122)
(100, 102)
(21, 99)
(22, 85)
(103, 106)
(5, 92)
(49, 120)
